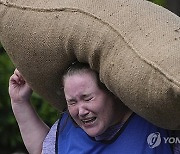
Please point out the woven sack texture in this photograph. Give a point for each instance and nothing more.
(133, 44)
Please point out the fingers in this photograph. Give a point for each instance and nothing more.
(18, 88)
(17, 73)
(17, 78)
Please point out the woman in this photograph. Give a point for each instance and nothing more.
(95, 121)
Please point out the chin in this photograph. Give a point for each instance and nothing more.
(93, 133)
(94, 130)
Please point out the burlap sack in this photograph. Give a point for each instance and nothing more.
(133, 44)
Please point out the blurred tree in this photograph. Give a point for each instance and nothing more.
(159, 2)
(172, 5)
(10, 136)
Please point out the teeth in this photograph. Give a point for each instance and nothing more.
(88, 120)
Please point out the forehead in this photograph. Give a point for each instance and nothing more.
(84, 74)
(80, 83)
(81, 77)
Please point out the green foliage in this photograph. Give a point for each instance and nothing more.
(159, 2)
(10, 136)
(8, 124)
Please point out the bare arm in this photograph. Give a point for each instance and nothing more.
(32, 128)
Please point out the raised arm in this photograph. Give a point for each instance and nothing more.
(32, 128)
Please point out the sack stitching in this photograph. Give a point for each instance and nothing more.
(152, 64)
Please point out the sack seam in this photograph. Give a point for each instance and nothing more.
(150, 63)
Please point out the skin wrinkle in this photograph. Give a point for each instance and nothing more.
(101, 104)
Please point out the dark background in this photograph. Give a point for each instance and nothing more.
(10, 139)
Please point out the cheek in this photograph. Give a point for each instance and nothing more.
(73, 112)
(105, 108)
(103, 104)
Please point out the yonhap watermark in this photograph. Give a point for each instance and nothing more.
(155, 139)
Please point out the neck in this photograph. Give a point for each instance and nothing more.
(122, 117)
(122, 113)
(111, 132)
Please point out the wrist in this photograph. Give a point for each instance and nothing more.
(20, 105)
(20, 101)
(23, 112)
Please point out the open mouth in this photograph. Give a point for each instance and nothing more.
(88, 121)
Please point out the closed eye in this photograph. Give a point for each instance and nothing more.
(71, 102)
(88, 99)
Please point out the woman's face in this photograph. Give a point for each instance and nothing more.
(90, 107)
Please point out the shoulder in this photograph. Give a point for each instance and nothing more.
(50, 140)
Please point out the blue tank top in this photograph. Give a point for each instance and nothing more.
(136, 137)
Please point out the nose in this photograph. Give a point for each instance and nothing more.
(83, 111)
